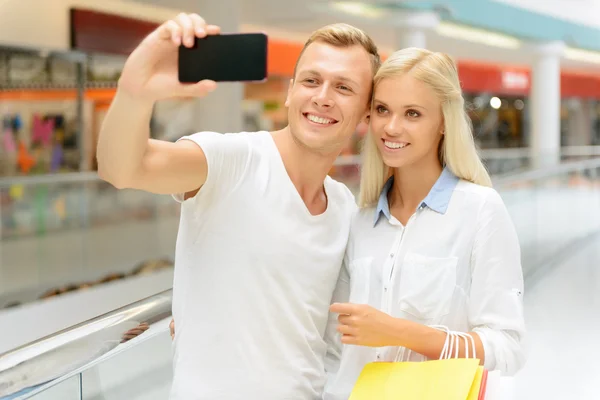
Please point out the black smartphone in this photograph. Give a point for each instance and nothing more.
(234, 57)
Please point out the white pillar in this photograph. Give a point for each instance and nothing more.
(412, 27)
(221, 110)
(579, 123)
(545, 104)
(411, 37)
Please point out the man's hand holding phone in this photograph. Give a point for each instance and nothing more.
(151, 71)
(183, 57)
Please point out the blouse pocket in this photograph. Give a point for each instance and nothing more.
(427, 285)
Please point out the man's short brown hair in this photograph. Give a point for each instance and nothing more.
(344, 35)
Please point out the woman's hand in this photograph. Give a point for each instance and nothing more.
(363, 325)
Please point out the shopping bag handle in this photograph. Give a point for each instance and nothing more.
(452, 344)
(468, 339)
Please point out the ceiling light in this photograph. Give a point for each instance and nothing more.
(495, 103)
(357, 8)
(582, 55)
(478, 35)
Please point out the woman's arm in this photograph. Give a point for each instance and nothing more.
(495, 306)
(430, 342)
(364, 325)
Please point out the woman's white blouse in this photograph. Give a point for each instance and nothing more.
(456, 263)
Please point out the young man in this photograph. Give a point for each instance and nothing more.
(263, 229)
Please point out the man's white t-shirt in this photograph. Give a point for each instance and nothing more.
(254, 277)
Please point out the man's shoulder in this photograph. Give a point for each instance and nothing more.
(228, 136)
(242, 146)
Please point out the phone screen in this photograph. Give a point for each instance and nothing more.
(222, 58)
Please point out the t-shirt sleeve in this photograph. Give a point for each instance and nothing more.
(227, 157)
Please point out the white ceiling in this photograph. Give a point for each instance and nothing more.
(583, 12)
(295, 19)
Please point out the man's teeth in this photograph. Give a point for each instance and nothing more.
(394, 145)
(319, 120)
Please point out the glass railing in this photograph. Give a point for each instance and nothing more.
(70, 363)
(555, 210)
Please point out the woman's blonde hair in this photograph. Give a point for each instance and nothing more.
(457, 149)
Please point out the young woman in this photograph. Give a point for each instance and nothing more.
(432, 244)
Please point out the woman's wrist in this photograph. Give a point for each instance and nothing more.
(398, 330)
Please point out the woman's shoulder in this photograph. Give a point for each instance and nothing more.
(486, 201)
(360, 217)
(475, 192)
(364, 215)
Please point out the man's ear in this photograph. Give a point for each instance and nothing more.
(367, 118)
(289, 93)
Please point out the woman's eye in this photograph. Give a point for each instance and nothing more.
(412, 113)
(381, 109)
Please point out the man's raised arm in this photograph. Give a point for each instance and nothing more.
(127, 157)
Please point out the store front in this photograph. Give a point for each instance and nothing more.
(52, 105)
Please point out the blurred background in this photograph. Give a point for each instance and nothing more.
(82, 264)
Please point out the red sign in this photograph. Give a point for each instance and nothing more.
(478, 77)
(98, 32)
(515, 80)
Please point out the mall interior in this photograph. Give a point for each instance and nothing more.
(82, 264)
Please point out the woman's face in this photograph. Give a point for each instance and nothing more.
(406, 122)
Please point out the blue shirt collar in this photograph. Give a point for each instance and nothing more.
(437, 199)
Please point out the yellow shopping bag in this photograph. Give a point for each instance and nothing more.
(449, 379)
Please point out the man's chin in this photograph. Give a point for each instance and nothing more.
(325, 145)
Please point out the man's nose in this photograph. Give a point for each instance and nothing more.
(323, 98)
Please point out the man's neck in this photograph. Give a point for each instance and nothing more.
(307, 169)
